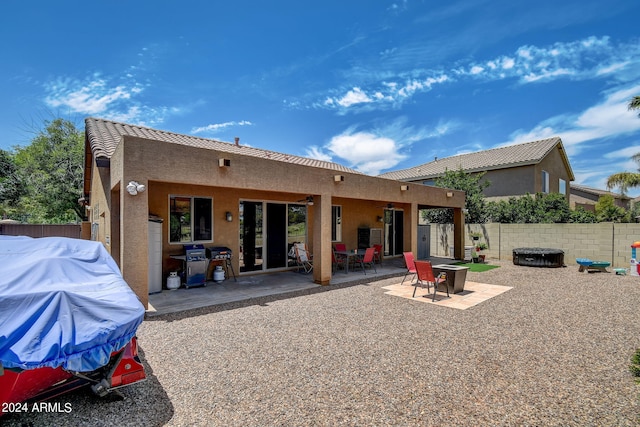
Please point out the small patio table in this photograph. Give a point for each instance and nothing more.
(348, 255)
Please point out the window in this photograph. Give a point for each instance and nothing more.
(336, 223)
(190, 219)
(562, 186)
(545, 181)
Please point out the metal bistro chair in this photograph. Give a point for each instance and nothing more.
(425, 275)
(411, 267)
(338, 261)
(366, 259)
(378, 253)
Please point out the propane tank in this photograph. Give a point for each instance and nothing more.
(218, 274)
(173, 281)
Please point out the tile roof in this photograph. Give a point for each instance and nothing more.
(104, 136)
(528, 153)
(597, 192)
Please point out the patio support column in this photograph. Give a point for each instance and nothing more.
(413, 218)
(322, 239)
(134, 241)
(458, 233)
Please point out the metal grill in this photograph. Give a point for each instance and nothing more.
(219, 252)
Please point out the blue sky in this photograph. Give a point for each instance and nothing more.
(374, 85)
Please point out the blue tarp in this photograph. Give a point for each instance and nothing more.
(63, 302)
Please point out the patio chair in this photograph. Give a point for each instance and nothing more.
(410, 263)
(303, 258)
(426, 276)
(341, 247)
(377, 253)
(366, 259)
(338, 261)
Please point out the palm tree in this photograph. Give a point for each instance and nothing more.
(634, 104)
(626, 180)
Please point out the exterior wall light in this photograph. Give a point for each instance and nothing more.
(449, 193)
(224, 162)
(229, 216)
(338, 178)
(134, 188)
(404, 188)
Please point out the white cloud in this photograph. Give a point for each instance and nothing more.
(609, 118)
(365, 151)
(380, 148)
(219, 126)
(318, 153)
(352, 97)
(624, 153)
(98, 95)
(589, 58)
(91, 97)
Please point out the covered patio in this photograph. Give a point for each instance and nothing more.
(260, 285)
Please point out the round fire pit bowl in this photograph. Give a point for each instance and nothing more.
(538, 257)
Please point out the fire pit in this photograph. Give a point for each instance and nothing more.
(538, 257)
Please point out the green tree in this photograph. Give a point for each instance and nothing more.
(51, 170)
(626, 180)
(473, 185)
(582, 216)
(606, 210)
(534, 209)
(10, 187)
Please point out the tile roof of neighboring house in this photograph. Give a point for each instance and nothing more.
(598, 192)
(104, 136)
(528, 153)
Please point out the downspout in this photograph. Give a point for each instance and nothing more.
(613, 240)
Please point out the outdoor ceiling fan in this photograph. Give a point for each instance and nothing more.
(387, 206)
(307, 200)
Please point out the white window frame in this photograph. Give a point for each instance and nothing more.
(562, 187)
(545, 181)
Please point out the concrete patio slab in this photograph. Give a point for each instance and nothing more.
(246, 287)
(474, 293)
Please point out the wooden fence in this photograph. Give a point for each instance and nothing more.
(42, 230)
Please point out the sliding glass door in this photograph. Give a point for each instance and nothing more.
(393, 232)
(276, 235)
(283, 225)
(251, 239)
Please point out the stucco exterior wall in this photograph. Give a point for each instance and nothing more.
(510, 182)
(166, 168)
(99, 214)
(557, 170)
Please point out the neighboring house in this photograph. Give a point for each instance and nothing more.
(255, 202)
(587, 197)
(514, 170)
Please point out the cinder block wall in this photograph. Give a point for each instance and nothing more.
(603, 242)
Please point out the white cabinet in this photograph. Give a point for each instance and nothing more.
(155, 257)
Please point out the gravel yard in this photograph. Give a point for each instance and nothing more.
(552, 351)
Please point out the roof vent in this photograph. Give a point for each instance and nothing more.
(237, 141)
